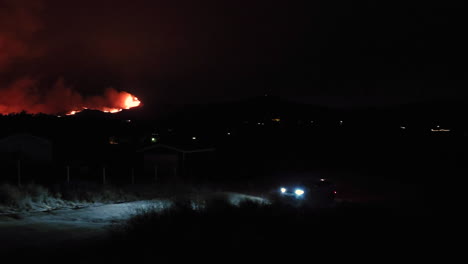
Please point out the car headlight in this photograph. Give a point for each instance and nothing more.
(283, 190)
(299, 192)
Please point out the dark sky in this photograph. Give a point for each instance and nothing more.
(176, 52)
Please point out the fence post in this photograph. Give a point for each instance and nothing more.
(68, 174)
(103, 175)
(155, 173)
(183, 173)
(18, 167)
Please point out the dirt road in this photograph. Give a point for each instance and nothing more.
(46, 229)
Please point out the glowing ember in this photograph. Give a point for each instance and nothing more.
(112, 111)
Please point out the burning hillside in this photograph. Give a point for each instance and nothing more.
(24, 95)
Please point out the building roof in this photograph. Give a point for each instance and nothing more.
(182, 148)
(24, 138)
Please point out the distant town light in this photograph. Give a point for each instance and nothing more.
(440, 130)
(403, 127)
(153, 139)
(276, 120)
(322, 180)
(194, 138)
(228, 133)
(113, 141)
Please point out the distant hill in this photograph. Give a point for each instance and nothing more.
(269, 107)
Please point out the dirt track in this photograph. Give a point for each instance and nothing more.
(44, 229)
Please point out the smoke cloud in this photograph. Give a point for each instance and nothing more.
(20, 24)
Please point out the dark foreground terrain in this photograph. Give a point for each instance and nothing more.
(217, 231)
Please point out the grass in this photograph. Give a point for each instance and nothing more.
(26, 198)
(34, 197)
(248, 229)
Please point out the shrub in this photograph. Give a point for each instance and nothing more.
(9, 195)
(37, 197)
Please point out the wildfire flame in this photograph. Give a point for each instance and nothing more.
(131, 102)
(125, 101)
(25, 95)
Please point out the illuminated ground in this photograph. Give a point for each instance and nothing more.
(45, 229)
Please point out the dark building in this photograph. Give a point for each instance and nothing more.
(25, 156)
(26, 147)
(189, 162)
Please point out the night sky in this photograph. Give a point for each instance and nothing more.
(180, 52)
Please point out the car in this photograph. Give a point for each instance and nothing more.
(309, 192)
